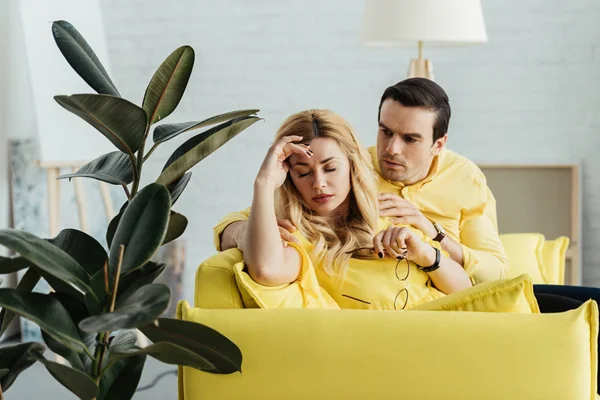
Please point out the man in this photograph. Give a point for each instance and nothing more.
(422, 183)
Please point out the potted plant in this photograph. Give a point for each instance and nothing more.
(100, 294)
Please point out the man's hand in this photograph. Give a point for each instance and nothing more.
(402, 211)
(285, 230)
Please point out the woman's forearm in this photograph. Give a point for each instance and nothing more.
(450, 277)
(263, 249)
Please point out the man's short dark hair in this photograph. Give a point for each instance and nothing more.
(421, 92)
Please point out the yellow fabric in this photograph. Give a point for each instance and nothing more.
(351, 354)
(458, 198)
(524, 251)
(304, 292)
(368, 284)
(215, 283)
(505, 295)
(553, 260)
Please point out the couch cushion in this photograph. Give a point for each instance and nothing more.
(357, 354)
(553, 260)
(524, 252)
(506, 295)
(215, 283)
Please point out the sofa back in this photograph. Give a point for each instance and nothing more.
(215, 286)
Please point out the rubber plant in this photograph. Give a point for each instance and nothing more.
(101, 294)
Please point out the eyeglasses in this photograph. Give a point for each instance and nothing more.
(368, 253)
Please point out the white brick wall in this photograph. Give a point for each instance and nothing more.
(531, 92)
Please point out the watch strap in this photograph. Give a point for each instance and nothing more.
(436, 264)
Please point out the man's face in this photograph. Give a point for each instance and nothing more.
(405, 147)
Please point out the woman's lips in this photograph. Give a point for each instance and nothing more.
(323, 198)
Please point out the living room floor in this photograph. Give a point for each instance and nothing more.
(37, 383)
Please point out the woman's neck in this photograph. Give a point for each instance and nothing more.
(339, 216)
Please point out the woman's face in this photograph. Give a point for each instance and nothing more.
(323, 180)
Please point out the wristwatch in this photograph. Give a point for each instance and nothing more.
(441, 233)
(435, 265)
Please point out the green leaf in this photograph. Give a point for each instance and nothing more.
(142, 307)
(199, 339)
(169, 353)
(133, 280)
(121, 379)
(114, 168)
(124, 340)
(165, 132)
(8, 265)
(46, 257)
(168, 84)
(112, 225)
(199, 147)
(82, 58)
(84, 249)
(59, 286)
(71, 356)
(142, 229)
(96, 301)
(122, 122)
(45, 311)
(79, 383)
(177, 225)
(177, 187)
(16, 359)
(26, 285)
(77, 311)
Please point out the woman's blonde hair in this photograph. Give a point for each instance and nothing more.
(334, 244)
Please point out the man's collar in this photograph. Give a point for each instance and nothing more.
(433, 170)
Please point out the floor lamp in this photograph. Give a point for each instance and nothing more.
(435, 22)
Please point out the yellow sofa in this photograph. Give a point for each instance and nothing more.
(543, 260)
(419, 354)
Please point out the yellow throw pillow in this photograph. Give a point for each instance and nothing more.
(524, 252)
(553, 260)
(506, 295)
(371, 354)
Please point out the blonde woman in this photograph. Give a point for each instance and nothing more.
(317, 176)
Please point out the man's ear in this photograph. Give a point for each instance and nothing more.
(439, 145)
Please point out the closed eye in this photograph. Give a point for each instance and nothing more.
(303, 175)
(330, 169)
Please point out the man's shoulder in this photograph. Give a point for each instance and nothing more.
(460, 167)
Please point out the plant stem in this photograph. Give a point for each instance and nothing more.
(151, 151)
(106, 285)
(98, 355)
(127, 192)
(102, 338)
(140, 163)
(114, 293)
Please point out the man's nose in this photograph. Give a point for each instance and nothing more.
(395, 146)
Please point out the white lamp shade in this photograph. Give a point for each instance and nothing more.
(438, 22)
